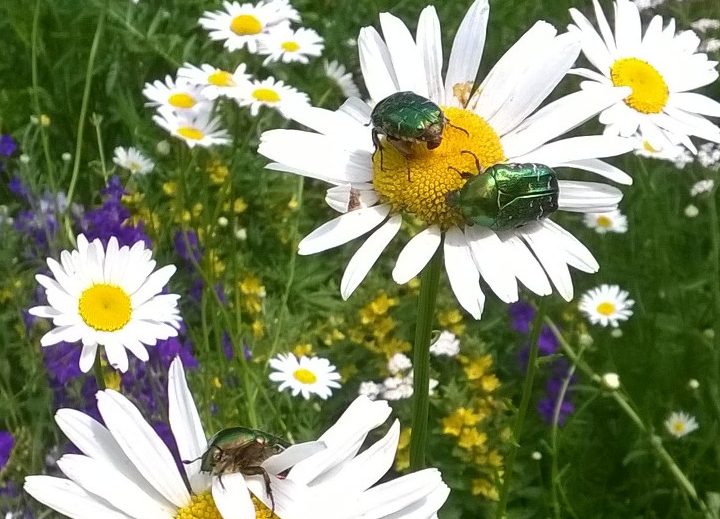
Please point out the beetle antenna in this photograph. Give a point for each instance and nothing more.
(463, 174)
(188, 462)
(477, 162)
(458, 128)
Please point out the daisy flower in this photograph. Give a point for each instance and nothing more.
(339, 74)
(680, 424)
(133, 160)
(288, 45)
(499, 124)
(126, 470)
(179, 95)
(306, 375)
(702, 186)
(709, 156)
(109, 297)
(214, 82)
(661, 68)
(201, 129)
(675, 153)
(272, 93)
(244, 25)
(613, 221)
(606, 304)
(346, 481)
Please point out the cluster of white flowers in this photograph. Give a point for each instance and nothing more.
(703, 186)
(399, 385)
(675, 153)
(643, 5)
(186, 103)
(447, 344)
(709, 156)
(705, 25)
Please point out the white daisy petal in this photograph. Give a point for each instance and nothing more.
(406, 59)
(462, 273)
(599, 167)
(545, 246)
(467, 48)
(69, 499)
(578, 148)
(376, 65)
(429, 42)
(343, 229)
(490, 259)
(577, 254)
(416, 254)
(525, 266)
(587, 197)
(366, 256)
(232, 497)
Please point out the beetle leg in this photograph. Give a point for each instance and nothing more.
(254, 471)
(378, 147)
(477, 162)
(451, 125)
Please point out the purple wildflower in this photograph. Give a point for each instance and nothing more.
(7, 442)
(187, 246)
(8, 145)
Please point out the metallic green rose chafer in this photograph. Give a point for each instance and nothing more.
(507, 196)
(239, 449)
(406, 118)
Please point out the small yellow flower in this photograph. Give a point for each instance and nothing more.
(476, 368)
(461, 417)
(239, 206)
(258, 329)
(250, 285)
(170, 188)
(304, 349)
(216, 383)
(218, 172)
(485, 488)
(471, 437)
(489, 383)
(293, 204)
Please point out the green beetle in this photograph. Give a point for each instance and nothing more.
(406, 118)
(240, 449)
(507, 196)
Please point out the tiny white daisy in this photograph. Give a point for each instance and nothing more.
(660, 67)
(133, 160)
(680, 424)
(179, 95)
(612, 221)
(705, 24)
(691, 211)
(110, 297)
(446, 344)
(398, 363)
(215, 82)
(344, 79)
(201, 129)
(606, 304)
(675, 153)
(288, 45)
(306, 375)
(243, 25)
(272, 93)
(126, 470)
(702, 186)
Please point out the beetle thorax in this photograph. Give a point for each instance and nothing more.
(417, 180)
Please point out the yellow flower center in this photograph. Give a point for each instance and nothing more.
(202, 506)
(418, 183)
(267, 95)
(648, 147)
(604, 221)
(649, 90)
(190, 132)
(246, 25)
(606, 308)
(305, 376)
(181, 100)
(679, 427)
(105, 307)
(221, 78)
(290, 46)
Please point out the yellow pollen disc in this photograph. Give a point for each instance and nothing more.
(181, 100)
(678, 427)
(190, 132)
(202, 506)
(290, 46)
(267, 95)
(649, 90)
(134, 167)
(221, 78)
(105, 307)
(420, 182)
(604, 221)
(305, 376)
(246, 25)
(606, 308)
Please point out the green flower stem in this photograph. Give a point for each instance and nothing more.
(98, 372)
(715, 262)
(429, 281)
(623, 402)
(83, 114)
(522, 410)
